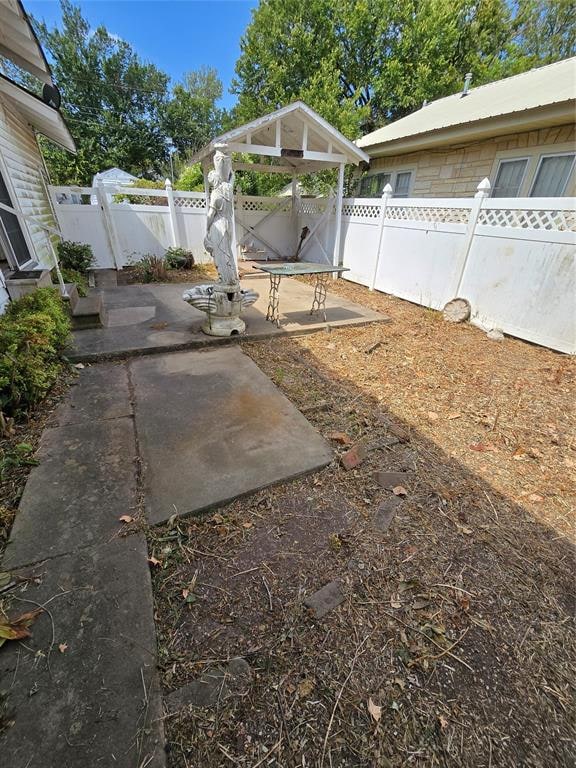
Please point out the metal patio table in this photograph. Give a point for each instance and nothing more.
(276, 273)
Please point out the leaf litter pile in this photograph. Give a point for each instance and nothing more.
(438, 541)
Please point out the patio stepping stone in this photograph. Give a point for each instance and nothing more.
(325, 600)
(84, 482)
(214, 686)
(386, 513)
(211, 427)
(390, 480)
(85, 690)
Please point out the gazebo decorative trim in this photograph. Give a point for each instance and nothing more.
(298, 141)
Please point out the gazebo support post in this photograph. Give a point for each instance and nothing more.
(294, 212)
(339, 198)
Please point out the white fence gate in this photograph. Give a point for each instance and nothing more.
(121, 232)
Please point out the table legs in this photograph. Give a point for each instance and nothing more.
(273, 313)
(320, 289)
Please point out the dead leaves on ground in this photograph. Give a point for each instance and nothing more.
(374, 710)
(19, 627)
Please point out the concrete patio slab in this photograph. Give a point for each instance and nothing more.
(84, 482)
(85, 691)
(153, 318)
(211, 426)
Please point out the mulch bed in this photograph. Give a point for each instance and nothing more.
(133, 276)
(454, 642)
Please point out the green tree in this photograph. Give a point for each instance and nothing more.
(190, 179)
(112, 101)
(363, 63)
(545, 32)
(191, 117)
(290, 51)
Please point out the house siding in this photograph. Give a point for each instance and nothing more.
(22, 163)
(457, 171)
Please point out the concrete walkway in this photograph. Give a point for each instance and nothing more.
(154, 318)
(84, 691)
(180, 432)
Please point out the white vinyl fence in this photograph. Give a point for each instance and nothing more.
(514, 259)
(120, 232)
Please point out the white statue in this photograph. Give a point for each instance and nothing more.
(224, 300)
(220, 223)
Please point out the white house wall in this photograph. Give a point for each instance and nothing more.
(23, 165)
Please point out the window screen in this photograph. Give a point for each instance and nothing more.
(552, 176)
(509, 178)
(402, 186)
(373, 185)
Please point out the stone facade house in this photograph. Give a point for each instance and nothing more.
(518, 132)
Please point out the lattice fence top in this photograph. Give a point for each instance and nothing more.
(257, 204)
(190, 202)
(559, 221)
(313, 206)
(362, 210)
(428, 214)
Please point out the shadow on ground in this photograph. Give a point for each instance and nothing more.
(453, 644)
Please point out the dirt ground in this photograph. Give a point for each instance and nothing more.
(18, 444)
(454, 644)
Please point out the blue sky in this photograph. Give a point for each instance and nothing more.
(176, 35)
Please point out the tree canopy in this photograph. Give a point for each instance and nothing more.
(191, 117)
(112, 101)
(362, 63)
(119, 108)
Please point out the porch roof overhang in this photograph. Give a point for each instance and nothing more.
(18, 41)
(295, 137)
(41, 116)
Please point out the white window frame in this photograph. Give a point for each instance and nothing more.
(534, 155)
(554, 154)
(16, 207)
(393, 175)
(527, 158)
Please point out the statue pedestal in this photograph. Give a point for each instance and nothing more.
(222, 304)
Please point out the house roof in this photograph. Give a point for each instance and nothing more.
(18, 41)
(540, 97)
(114, 175)
(296, 135)
(44, 118)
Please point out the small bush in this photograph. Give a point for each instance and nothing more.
(151, 269)
(179, 258)
(76, 256)
(33, 331)
(73, 276)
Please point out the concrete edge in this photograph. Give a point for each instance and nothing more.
(210, 341)
(244, 495)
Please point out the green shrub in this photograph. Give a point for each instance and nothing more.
(179, 258)
(33, 331)
(151, 269)
(73, 276)
(77, 256)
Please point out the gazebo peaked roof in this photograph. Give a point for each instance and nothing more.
(295, 136)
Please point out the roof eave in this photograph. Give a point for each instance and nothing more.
(490, 127)
(49, 122)
(21, 48)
